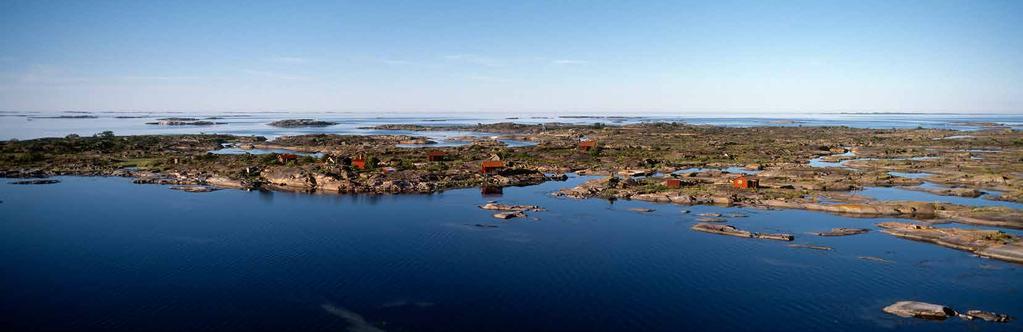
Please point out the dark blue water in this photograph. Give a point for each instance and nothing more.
(105, 254)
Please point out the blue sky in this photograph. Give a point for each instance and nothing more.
(491, 56)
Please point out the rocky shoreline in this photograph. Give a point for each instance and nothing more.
(654, 162)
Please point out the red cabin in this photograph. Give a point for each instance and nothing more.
(436, 155)
(359, 163)
(587, 145)
(744, 182)
(491, 166)
(286, 157)
(673, 183)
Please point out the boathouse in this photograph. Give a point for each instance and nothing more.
(284, 158)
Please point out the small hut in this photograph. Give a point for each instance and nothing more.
(284, 158)
(436, 155)
(673, 183)
(745, 182)
(491, 166)
(587, 145)
(359, 162)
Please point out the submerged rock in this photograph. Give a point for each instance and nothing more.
(37, 181)
(641, 210)
(194, 188)
(843, 231)
(876, 259)
(721, 229)
(986, 315)
(507, 207)
(923, 310)
(732, 231)
(809, 246)
(509, 215)
(711, 219)
(170, 122)
(960, 192)
(558, 177)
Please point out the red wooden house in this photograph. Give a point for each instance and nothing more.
(491, 166)
(359, 163)
(587, 145)
(744, 182)
(436, 155)
(286, 157)
(673, 183)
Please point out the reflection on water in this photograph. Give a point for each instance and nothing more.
(691, 170)
(491, 191)
(910, 175)
(741, 170)
(819, 161)
(116, 256)
(733, 169)
(355, 321)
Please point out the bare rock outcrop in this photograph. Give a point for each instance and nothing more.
(923, 310)
(989, 243)
(732, 231)
(843, 232)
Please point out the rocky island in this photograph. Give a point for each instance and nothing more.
(299, 123)
(758, 167)
(183, 122)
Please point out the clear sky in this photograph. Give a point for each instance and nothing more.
(505, 56)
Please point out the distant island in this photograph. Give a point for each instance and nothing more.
(183, 122)
(298, 123)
